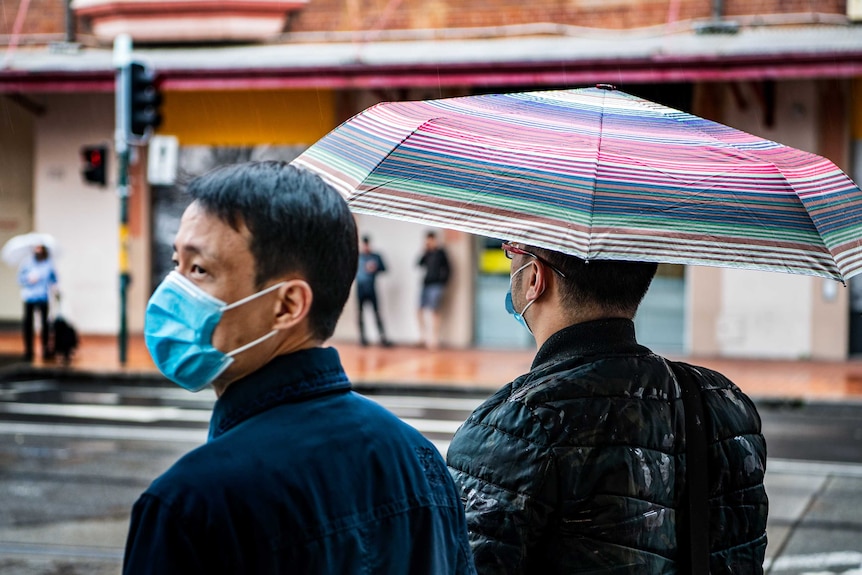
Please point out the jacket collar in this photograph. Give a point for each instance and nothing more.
(598, 337)
(286, 379)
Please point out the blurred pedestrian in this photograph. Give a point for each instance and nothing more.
(299, 474)
(605, 457)
(38, 281)
(65, 335)
(436, 264)
(370, 264)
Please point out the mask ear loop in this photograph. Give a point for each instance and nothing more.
(529, 303)
(251, 344)
(520, 315)
(253, 296)
(247, 299)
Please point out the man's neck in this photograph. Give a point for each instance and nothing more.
(290, 345)
(550, 320)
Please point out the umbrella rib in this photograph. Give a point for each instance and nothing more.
(595, 179)
(675, 187)
(749, 155)
(722, 143)
(816, 226)
(358, 194)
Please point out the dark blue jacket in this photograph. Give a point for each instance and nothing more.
(302, 475)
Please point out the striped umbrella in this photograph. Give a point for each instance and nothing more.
(599, 174)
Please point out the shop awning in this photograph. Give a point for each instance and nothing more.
(560, 60)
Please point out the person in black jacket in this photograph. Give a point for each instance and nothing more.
(580, 465)
(436, 265)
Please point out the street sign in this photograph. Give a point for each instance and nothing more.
(162, 160)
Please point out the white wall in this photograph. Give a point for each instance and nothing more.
(398, 289)
(399, 244)
(83, 218)
(764, 315)
(16, 192)
(767, 314)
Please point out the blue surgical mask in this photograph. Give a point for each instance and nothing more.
(510, 306)
(178, 331)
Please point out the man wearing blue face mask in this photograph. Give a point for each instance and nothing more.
(299, 473)
(605, 457)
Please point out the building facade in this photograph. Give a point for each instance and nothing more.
(267, 79)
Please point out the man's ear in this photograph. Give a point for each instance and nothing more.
(293, 303)
(536, 280)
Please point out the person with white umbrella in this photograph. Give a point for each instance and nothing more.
(38, 280)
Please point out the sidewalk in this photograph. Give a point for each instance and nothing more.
(813, 525)
(490, 369)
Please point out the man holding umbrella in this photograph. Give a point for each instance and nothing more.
(585, 464)
(604, 457)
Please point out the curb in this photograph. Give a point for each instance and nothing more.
(20, 371)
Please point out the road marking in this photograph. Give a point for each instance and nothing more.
(819, 468)
(108, 412)
(14, 389)
(76, 551)
(116, 432)
(852, 559)
(409, 409)
(433, 425)
(426, 402)
(122, 433)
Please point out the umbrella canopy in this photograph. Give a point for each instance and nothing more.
(599, 174)
(19, 248)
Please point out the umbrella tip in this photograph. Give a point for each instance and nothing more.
(606, 87)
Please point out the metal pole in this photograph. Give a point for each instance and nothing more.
(122, 60)
(717, 10)
(70, 22)
(123, 191)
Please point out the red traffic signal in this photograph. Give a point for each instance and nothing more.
(95, 164)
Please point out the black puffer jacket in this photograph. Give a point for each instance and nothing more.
(579, 465)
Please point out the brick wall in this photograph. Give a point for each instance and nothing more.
(43, 17)
(48, 16)
(613, 14)
(745, 7)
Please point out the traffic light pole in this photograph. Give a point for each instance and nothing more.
(123, 191)
(137, 116)
(122, 60)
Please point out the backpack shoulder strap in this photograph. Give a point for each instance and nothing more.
(696, 493)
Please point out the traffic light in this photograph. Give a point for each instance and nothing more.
(95, 164)
(144, 101)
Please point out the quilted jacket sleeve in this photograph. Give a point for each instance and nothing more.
(509, 503)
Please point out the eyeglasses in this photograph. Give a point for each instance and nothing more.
(510, 250)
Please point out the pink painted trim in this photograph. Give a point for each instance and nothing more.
(581, 73)
(31, 83)
(547, 74)
(166, 8)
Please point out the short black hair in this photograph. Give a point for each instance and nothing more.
(366, 239)
(298, 223)
(613, 285)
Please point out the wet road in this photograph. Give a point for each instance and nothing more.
(74, 456)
